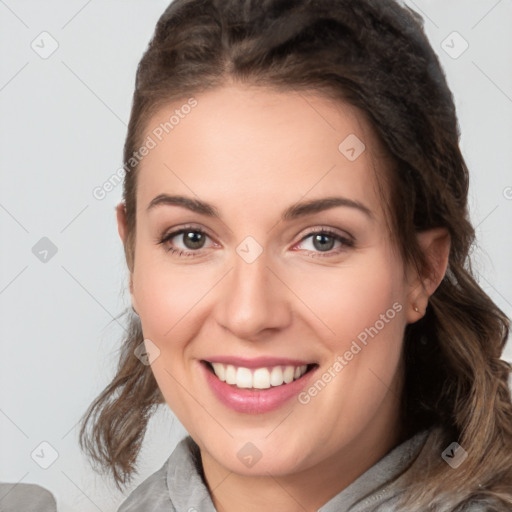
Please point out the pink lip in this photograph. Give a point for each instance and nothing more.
(257, 362)
(251, 401)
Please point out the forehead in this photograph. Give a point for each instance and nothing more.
(251, 144)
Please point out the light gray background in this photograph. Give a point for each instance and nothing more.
(62, 128)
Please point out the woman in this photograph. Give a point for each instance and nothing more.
(296, 229)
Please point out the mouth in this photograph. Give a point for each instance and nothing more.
(261, 378)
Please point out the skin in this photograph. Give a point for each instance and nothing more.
(253, 152)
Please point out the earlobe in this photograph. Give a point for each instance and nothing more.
(121, 228)
(435, 244)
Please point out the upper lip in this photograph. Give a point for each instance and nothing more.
(257, 362)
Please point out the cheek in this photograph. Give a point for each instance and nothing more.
(166, 294)
(349, 299)
(169, 300)
(361, 311)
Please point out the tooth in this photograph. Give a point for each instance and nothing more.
(230, 374)
(219, 370)
(276, 376)
(261, 378)
(288, 374)
(244, 378)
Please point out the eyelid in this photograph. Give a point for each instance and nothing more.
(327, 229)
(346, 239)
(175, 230)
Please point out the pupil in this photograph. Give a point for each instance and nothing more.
(191, 242)
(318, 238)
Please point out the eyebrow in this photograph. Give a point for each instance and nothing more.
(293, 212)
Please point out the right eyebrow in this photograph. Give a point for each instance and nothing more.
(194, 205)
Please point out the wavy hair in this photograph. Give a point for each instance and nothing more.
(375, 55)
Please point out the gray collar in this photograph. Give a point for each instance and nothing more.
(188, 491)
(381, 480)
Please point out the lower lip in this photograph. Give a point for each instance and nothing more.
(252, 401)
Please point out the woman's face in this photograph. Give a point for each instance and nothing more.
(262, 289)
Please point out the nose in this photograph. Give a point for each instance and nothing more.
(254, 299)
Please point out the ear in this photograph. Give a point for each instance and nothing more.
(435, 244)
(122, 230)
(121, 220)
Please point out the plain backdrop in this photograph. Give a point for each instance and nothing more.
(63, 278)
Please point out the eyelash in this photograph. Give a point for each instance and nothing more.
(346, 242)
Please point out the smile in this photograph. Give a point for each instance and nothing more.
(258, 378)
(256, 386)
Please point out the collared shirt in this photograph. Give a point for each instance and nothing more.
(26, 498)
(178, 486)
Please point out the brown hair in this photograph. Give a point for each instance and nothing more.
(375, 55)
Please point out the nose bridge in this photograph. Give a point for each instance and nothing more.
(253, 298)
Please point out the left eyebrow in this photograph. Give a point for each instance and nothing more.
(291, 213)
(319, 205)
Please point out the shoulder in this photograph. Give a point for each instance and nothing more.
(177, 485)
(151, 495)
(26, 498)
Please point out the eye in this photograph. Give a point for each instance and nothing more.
(323, 241)
(192, 238)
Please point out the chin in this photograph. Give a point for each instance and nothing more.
(258, 457)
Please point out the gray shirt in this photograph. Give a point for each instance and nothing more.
(26, 498)
(178, 486)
